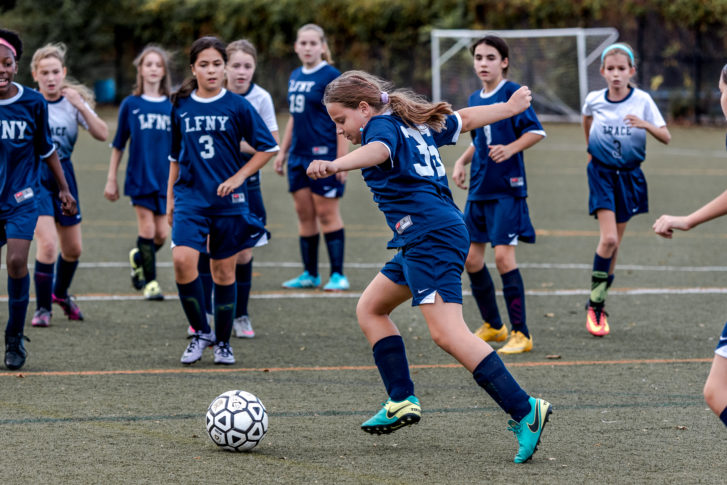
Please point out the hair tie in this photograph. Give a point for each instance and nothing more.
(384, 97)
(9, 46)
(623, 47)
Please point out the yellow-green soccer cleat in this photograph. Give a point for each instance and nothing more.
(489, 334)
(137, 272)
(530, 428)
(517, 344)
(152, 291)
(394, 415)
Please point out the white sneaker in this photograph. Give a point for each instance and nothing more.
(223, 353)
(243, 327)
(199, 342)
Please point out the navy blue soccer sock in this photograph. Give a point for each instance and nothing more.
(390, 358)
(192, 298)
(243, 280)
(43, 277)
(335, 244)
(225, 296)
(148, 258)
(64, 275)
(158, 246)
(483, 291)
(723, 416)
(609, 281)
(599, 280)
(205, 275)
(492, 375)
(18, 297)
(514, 292)
(309, 253)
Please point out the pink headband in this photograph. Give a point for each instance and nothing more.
(9, 46)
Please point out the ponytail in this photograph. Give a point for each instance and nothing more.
(185, 90)
(352, 87)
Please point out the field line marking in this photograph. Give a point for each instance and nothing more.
(184, 370)
(282, 294)
(379, 265)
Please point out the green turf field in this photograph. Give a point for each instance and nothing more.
(106, 400)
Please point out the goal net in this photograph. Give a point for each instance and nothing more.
(559, 65)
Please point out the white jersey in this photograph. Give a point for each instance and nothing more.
(263, 104)
(611, 140)
(64, 119)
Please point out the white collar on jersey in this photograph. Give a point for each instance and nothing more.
(305, 70)
(14, 98)
(153, 99)
(222, 92)
(485, 95)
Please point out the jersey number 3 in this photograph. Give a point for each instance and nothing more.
(431, 163)
(207, 143)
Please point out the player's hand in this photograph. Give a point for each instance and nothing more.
(111, 191)
(319, 169)
(520, 99)
(635, 121)
(229, 185)
(500, 153)
(665, 225)
(73, 97)
(68, 203)
(279, 164)
(459, 176)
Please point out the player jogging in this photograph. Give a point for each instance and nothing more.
(25, 141)
(616, 120)
(69, 105)
(399, 132)
(497, 209)
(144, 118)
(207, 195)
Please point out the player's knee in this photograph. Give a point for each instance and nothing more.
(72, 253)
(474, 262)
(609, 243)
(710, 393)
(47, 249)
(17, 264)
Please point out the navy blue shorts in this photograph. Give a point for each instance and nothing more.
(721, 349)
(228, 234)
(431, 265)
(500, 222)
(255, 201)
(19, 223)
(156, 202)
(328, 187)
(48, 202)
(621, 191)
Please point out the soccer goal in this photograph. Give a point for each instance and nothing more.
(560, 66)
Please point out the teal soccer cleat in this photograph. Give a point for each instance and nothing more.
(394, 415)
(338, 282)
(529, 429)
(305, 280)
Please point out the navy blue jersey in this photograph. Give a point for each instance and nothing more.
(490, 180)
(25, 138)
(206, 135)
(411, 186)
(314, 133)
(146, 121)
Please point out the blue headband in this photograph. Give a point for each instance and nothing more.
(623, 47)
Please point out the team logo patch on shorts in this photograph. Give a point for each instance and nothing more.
(404, 224)
(517, 181)
(238, 198)
(320, 150)
(24, 194)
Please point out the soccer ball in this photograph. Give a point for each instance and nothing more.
(237, 421)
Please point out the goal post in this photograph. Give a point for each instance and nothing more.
(559, 65)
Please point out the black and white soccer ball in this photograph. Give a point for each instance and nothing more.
(237, 421)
